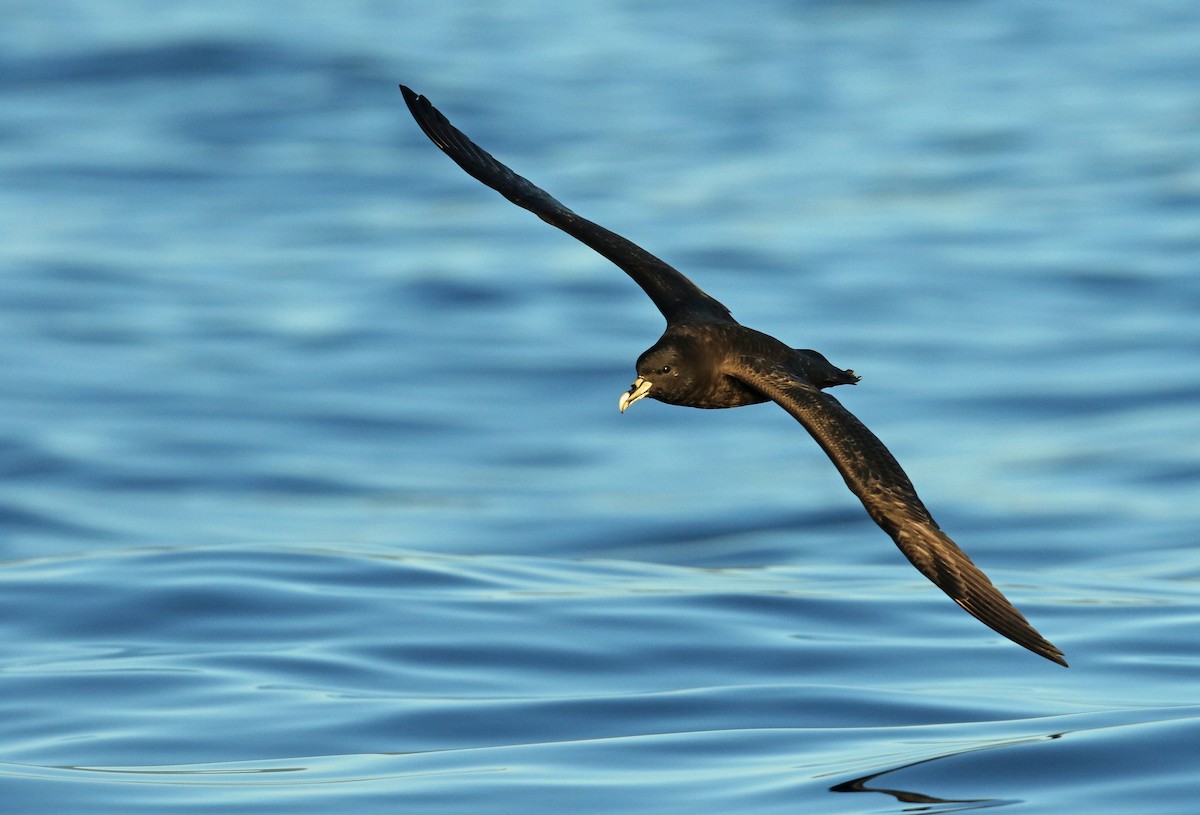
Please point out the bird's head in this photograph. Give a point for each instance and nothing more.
(663, 373)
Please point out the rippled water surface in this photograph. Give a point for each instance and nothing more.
(314, 496)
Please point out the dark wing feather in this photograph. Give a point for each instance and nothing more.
(874, 475)
(679, 299)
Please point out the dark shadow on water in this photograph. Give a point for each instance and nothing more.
(906, 797)
(931, 803)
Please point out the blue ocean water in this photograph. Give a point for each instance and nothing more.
(314, 496)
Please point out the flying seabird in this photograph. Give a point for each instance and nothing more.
(706, 359)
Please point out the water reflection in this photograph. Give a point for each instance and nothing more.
(861, 783)
(907, 797)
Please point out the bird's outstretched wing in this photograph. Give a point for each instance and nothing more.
(874, 475)
(679, 299)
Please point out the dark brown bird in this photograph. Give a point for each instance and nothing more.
(706, 359)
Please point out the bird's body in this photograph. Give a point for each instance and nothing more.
(706, 359)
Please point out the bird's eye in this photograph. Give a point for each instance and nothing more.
(666, 369)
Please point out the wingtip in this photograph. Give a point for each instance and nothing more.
(1036, 643)
(983, 601)
(410, 96)
(1057, 658)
